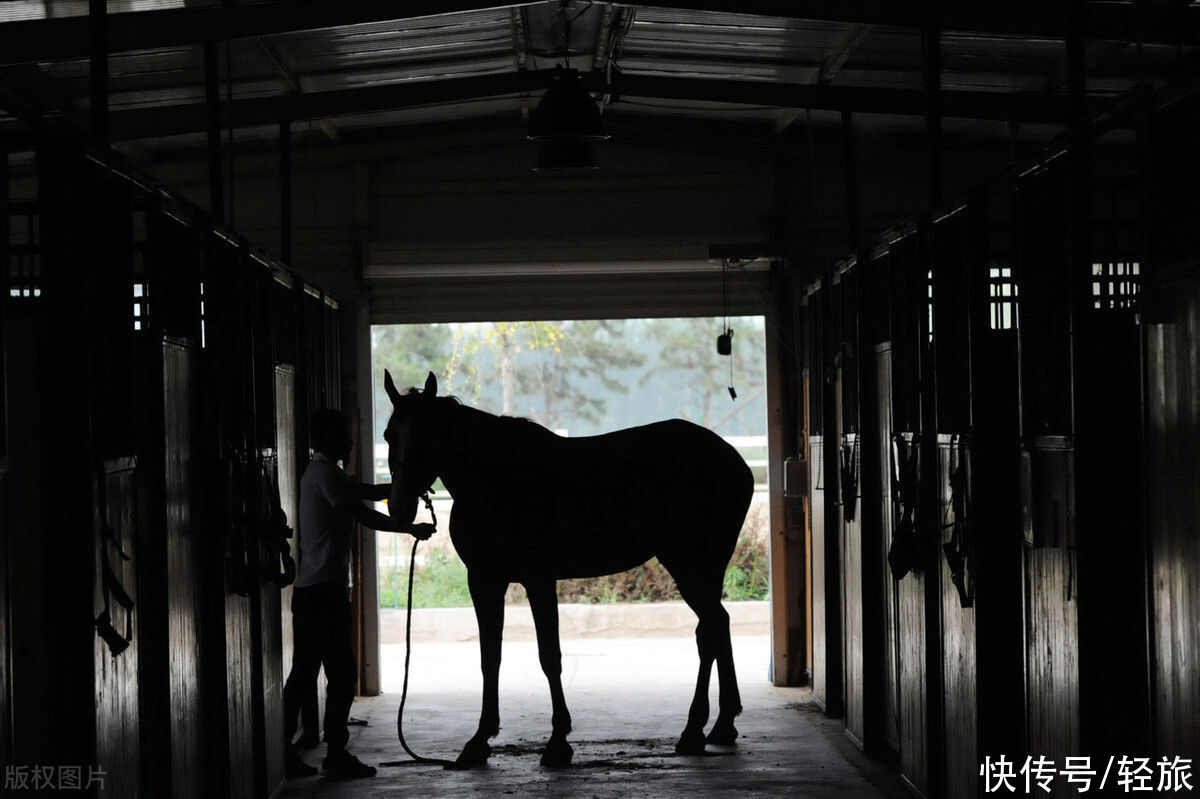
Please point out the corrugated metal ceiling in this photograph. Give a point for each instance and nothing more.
(641, 41)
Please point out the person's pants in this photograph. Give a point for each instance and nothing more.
(322, 623)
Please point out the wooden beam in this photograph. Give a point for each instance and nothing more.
(63, 38)
(173, 120)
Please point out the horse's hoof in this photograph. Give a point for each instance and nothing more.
(723, 735)
(690, 743)
(473, 755)
(557, 754)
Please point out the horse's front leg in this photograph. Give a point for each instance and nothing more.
(543, 602)
(487, 594)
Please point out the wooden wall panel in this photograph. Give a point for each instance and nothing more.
(183, 634)
(1172, 350)
(117, 709)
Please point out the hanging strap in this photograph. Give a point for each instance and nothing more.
(904, 552)
(110, 584)
(956, 549)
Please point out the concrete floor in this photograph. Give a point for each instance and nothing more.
(628, 699)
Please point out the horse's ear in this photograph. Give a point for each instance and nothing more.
(431, 386)
(390, 386)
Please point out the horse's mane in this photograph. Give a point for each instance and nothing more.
(508, 423)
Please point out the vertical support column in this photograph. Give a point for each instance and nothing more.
(5, 645)
(98, 34)
(832, 528)
(783, 670)
(1106, 415)
(212, 106)
(932, 37)
(787, 437)
(929, 521)
(285, 191)
(850, 165)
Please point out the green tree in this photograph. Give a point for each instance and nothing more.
(409, 352)
(588, 352)
(504, 342)
(687, 351)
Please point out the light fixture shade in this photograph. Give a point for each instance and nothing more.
(566, 112)
(566, 157)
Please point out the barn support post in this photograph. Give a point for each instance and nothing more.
(932, 40)
(995, 547)
(787, 651)
(930, 523)
(369, 668)
(57, 699)
(1106, 365)
(5, 643)
(285, 191)
(790, 653)
(212, 108)
(98, 67)
(850, 167)
(872, 313)
(832, 578)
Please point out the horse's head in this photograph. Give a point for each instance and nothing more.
(410, 437)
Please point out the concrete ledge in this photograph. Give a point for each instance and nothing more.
(628, 620)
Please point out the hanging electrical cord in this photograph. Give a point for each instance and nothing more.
(567, 22)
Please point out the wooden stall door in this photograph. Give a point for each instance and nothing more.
(1173, 464)
(891, 673)
(816, 502)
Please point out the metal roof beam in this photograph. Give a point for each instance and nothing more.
(159, 121)
(67, 37)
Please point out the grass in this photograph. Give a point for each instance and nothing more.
(442, 581)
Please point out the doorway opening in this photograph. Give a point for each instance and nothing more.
(579, 378)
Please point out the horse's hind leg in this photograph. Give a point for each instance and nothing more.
(543, 602)
(723, 733)
(703, 595)
(487, 594)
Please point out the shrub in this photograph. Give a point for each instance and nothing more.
(441, 582)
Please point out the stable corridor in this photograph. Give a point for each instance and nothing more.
(628, 700)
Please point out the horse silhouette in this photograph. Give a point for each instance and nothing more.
(533, 507)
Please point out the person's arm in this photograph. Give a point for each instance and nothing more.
(370, 492)
(375, 520)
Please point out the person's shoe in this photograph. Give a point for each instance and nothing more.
(295, 767)
(308, 741)
(344, 766)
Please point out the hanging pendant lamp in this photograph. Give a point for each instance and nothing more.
(566, 112)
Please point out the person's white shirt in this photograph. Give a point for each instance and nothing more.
(324, 532)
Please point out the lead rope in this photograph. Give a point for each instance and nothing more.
(412, 563)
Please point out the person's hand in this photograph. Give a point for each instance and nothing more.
(422, 531)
